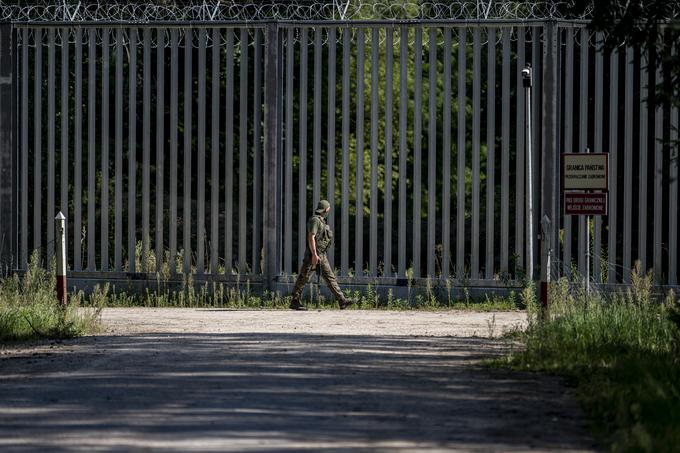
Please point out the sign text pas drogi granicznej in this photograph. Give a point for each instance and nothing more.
(580, 203)
(584, 171)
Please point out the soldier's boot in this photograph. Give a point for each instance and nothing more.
(296, 305)
(344, 302)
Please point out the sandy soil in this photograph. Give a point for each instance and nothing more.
(225, 380)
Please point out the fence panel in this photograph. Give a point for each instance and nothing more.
(137, 61)
(425, 182)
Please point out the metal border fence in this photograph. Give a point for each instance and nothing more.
(199, 148)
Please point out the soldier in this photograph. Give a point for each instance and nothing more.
(319, 239)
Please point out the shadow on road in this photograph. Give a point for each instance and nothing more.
(280, 391)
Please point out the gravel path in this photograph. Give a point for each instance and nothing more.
(225, 380)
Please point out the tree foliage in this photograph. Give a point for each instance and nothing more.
(641, 23)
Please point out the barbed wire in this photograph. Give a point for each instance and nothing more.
(288, 10)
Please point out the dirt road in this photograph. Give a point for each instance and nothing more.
(218, 380)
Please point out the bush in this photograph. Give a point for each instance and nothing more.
(29, 308)
(621, 352)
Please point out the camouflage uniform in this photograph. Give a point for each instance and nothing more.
(323, 236)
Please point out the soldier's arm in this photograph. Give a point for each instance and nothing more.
(311, 239)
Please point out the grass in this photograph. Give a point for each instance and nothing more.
(241, 296)
(621, 352)
(29, 309)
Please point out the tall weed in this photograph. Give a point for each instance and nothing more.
(29, 308)
(621, 351)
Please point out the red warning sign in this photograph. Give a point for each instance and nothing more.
(579, 203)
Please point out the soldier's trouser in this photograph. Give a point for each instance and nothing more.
(307, 270)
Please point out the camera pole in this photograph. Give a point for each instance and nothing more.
(527, 82)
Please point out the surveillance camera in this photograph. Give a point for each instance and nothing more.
(526, 76)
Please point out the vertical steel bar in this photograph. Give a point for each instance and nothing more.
(200, 189)
(446, 158)
(65, 102)
(417, 148)
(174, 89)
(330, 192)
(9, 151)
(316, 183)
(549, 162)
(599, 132)
(24, 144)
(243, 152)
(519, 162)
(432, 154)
(460, 151)
(536, 121)
(78, 152)
(505, 153)
(658, 180)
(215, 152)
(10, 42)
(476, 151)
(188, 101)
(257, 151)
(613, 164)
(132, 152)
(490, 153)
(643, 153)
(375, 83)
(359, 197)
(271, 157)
(160, 145)
(403, 149)
(105, 164)
(387, 210)
(673, 204)
(628, 166)
(50, 146)
(146, 147)
(583, 245)
(344, 230)
(288, 160)
(229, 161)
(91, 147)
(118, 204)
(37, 141)
(302, 179)
(568, 139)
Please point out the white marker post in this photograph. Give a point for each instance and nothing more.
(60, 221)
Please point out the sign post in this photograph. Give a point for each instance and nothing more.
(585, 187)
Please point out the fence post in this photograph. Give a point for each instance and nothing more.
(271, 203)
(546, 252)
(8, 204)
(550, 201)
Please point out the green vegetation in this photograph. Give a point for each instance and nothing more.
(29, 308)
(621, 351)
(437, 294)
(241, 296)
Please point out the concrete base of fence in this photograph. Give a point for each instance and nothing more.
(455, 290)
(136, 283)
